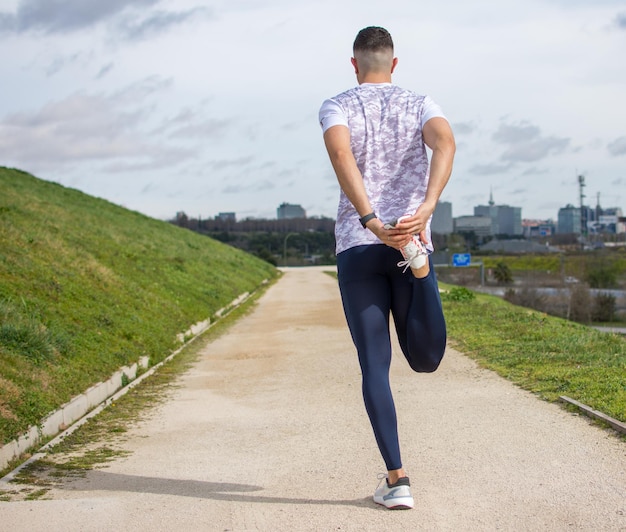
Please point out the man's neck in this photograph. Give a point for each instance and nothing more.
(375, 77)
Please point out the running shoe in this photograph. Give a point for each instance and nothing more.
(395, 496)
(414, 253)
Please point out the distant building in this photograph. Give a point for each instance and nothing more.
(618, 219)
(608, 221)
(442, 222)
(479, 225)
(510, 220)
(505, 220)
(489, 211)
(288, 211)
(226, 217)
(538, 228)
(568, 220)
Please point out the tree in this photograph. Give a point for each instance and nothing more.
(603, 307)
(264, 253)
(601, 277)
(580, 304)
(502, 273)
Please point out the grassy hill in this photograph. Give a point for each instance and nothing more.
(87, 286)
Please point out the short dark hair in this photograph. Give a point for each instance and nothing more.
(373, 39)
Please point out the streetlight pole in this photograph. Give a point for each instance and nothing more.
(285, 247)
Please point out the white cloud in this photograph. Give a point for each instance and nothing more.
(463, 128)
(58, 16)
(86, 126)
(167, 105)
(525, 143)
(489, 169)
(137, 27)
(617, 147)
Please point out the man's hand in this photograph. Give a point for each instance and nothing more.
(412, 225)
(395, 238)
(416, 224)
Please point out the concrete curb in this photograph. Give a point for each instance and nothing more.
(596, 414)
(81, 408)
(69, 413)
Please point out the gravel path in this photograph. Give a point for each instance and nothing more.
(268, 432)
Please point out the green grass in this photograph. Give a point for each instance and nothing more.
(546, 355)
(102, 438)
(543, 262)
(87, 286)
(578, 265)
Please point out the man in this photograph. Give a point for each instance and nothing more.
(376, 136)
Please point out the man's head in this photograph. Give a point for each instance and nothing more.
(373, 53)
(373, 39)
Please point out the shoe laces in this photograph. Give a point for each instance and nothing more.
(407, 262)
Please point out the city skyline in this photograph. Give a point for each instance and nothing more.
(489, 202)
(552, 218)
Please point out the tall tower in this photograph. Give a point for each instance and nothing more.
(583, 211)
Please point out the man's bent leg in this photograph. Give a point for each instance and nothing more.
(422, 327)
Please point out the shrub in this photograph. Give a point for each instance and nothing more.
(604, 308)
(526, 297)
(580, 304)
(264, 253)
(25, 335)
(502, 273)
(459, 293)
(601, 277)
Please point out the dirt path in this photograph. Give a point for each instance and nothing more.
(268, 432)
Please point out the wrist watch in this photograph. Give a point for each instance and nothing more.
(367, 218)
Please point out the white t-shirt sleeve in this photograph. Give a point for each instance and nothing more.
(431, 110)
(331, 114)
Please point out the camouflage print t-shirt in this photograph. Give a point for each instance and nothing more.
(385, 123)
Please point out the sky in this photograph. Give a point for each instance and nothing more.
(164, 106)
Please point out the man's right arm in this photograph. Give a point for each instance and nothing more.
(439, 138)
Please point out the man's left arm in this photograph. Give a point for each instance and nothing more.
(337, 140)
(438, 136)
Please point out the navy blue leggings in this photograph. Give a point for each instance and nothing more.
(372, 286)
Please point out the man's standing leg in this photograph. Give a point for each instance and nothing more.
(366, 299)
(366, 296)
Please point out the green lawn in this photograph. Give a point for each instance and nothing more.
(546, 355)
(87, 287)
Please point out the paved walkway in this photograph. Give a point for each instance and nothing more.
(268, 432)
(615, 330)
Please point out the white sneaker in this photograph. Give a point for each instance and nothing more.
(414, 253)
(395, 496)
